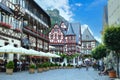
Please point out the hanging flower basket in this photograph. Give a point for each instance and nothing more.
(5, 25)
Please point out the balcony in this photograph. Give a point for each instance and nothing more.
(35, 33)
(35, 17)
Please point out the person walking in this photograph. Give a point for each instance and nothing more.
(80, 63)
(15, 64)
(101, 65)
(87, 65)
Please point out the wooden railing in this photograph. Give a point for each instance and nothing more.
(39, 33)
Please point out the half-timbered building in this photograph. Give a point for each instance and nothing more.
(66, 38)
(88, 41)
(23, 23)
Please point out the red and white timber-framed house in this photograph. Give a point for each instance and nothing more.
(24, 23)
(66, 39)
(57, 38)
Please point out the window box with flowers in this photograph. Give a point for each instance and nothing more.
(5, 25)
(17, 30)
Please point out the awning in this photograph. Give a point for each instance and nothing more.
(5, 8)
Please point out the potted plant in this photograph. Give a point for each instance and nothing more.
(32, 68)
(112, 74)
(40, 67)
(64, 65)
(9, 67)
(69, 66)
(45, 65)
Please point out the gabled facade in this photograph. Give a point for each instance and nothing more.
(57, 38)
(88, 41)
(70, 44)
(67, 37)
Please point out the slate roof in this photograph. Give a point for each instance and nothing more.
(86, 32)
(77, 30)
(70, 30)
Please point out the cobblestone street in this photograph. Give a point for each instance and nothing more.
(58, 74)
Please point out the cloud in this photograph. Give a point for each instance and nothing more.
(62, 5)
(98, 39)
(78, 4)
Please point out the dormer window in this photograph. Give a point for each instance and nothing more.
(87, 37)
(56, 30)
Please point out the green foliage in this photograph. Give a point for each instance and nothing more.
(32, 66)
(56, 64)
(10, 65)
(64, 55)
(69, 65)
(64, 64)
(46, 64)
(55, 17)
(86, 56)
(51, 64)
(111, 37)
(40, 66)
(99, 52)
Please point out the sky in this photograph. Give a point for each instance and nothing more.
(86, 12)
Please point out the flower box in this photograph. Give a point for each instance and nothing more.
(18, 30)
(5, 25)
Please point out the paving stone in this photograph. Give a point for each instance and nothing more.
(58, 74)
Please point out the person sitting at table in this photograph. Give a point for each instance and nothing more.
(106, 70)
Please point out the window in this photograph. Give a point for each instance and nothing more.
(51, 36)
(56, 30)
(23, 4)
(59, 37)
(15, 45)
(84, 45)
(55, 35)
(17, 1)
(73, 47)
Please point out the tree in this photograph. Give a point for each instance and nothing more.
(99, 52)
(111, 39)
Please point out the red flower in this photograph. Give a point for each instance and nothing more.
(17, 30)
(3, 24)
(28, 28)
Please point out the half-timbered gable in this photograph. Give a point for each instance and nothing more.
(88, 41)
(56, 35)
(57, 38)
(70, 40)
